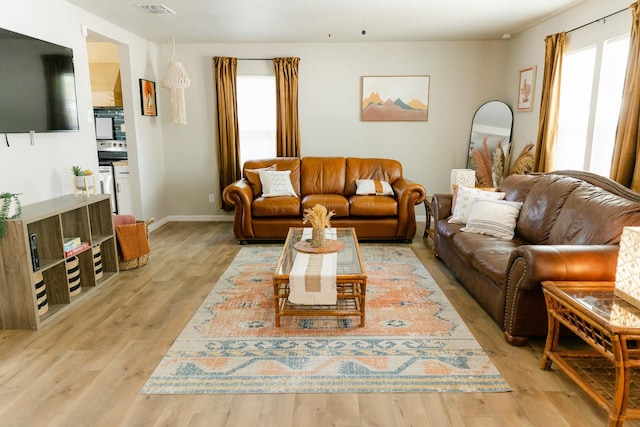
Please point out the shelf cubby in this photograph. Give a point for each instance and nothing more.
(51, 221)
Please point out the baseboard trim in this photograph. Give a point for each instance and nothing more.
(214, 218)
(189, 218)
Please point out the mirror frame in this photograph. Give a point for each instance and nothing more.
(477, 135)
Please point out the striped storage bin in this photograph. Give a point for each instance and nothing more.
(97, 261)
(73, 275)
(41, 293)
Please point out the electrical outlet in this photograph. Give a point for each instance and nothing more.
(212, 198)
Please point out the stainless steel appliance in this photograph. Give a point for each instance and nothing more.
(110, 151)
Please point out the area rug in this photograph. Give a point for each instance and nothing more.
(413, 341)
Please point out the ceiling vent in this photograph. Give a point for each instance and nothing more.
(156, 9)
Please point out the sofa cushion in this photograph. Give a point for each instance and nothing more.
(362, 168)
(333, 202)
(593, 216)
(489, 255)
(517, 187)
(542, 207)
(373, 206)
(322, 175)
(275, 206)
(492, 260)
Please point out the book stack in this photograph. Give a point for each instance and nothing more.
(73, 246)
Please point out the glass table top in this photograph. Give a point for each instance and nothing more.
(605, 304)
(348, 259)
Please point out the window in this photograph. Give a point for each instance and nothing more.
(590, 98)
(256, 117)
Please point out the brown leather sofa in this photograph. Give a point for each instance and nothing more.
(330, 181)
(568, 228)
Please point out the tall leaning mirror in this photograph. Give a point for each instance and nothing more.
(493, 123)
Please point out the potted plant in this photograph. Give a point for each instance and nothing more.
(83, 178)
(8, 201)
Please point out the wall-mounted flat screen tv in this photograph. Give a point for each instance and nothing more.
(37, 85)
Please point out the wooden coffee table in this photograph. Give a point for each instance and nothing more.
(611, 327)
(351, 280)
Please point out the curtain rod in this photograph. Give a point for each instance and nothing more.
(597, 20)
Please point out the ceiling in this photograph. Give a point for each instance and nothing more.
(284, 21)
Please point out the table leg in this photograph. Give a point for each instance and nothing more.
(276, 299)
(363, 296)
(553, 332)
(623, 379)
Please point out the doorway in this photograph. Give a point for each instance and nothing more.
(109, 119)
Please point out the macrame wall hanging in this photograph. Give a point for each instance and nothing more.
(176, 81)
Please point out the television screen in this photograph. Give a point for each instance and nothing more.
(37, 85)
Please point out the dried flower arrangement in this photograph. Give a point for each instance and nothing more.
(318, 216)
(491, 172)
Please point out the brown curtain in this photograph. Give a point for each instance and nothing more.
(287, 126)
(625, 165)
(549, 103)
(229, 168)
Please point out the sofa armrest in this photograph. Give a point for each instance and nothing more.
(530, 265)
(240, 195)
(441, 206)
(408, 194)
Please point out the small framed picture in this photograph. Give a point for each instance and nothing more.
(148, 98)
(526, 84)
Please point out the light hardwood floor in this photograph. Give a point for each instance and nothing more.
(86, 368)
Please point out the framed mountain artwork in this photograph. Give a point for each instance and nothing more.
(395, 98)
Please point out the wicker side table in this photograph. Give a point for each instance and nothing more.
(428, 231)
(611, 327)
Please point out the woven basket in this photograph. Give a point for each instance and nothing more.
(138, 262)
(97, 261)
(41, 293)
(73, 275)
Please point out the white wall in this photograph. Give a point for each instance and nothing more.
(463, 76)
(175, 167)
(43, 170)
(527, 49)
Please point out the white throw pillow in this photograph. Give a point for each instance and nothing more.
(372, 186)
(494, 218)
(276, 183)
(464, 201)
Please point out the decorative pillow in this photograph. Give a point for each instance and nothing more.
(254, 178)
(455, 193)
(464, 201)
(495, 218)
(276, 183)
(372, 186)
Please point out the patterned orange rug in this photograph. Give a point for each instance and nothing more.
(413, 341)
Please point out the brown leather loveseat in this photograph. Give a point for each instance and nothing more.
(329, 181)
(568, 228)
